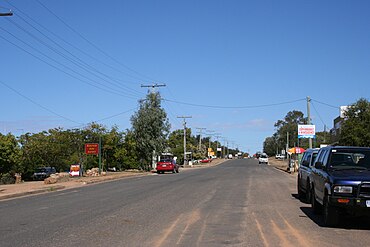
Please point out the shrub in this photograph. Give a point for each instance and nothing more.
(7, 179)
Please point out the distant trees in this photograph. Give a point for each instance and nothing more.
(287, 125)
(129, 149)
(355, 130)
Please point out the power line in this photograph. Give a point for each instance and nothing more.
(106, 118)
(234, 107)
(79, 63)
(72, 45)
(322, 121)
(64, 49)
(92, 44)
(35, 103)
(336, 107)
(57, 114)
(59, 69)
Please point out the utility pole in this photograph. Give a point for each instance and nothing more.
(218, 136)
(211, 132)
(223, 148)
(153, 86)
(184, 117)
(200, 137)
(287, 142)
(309, 119)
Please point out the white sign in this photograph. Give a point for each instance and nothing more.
(306, 131)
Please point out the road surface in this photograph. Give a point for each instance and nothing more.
(237, 203)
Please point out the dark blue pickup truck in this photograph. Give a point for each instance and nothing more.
(340, 182)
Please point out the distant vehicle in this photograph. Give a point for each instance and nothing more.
(304, 171)
(263, 159)
(205, 160)
(280, 156)
(167, 165)
(340, 182)
(230, 156)
(43, 172)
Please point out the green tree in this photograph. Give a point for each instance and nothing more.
(9, 155)
(290, 125)
(150, 127)
(355, 130)
(125, 155)
(269, 146)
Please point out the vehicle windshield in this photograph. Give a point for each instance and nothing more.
(350, 159)
(165, 160)
(264, 156)
(41, 170)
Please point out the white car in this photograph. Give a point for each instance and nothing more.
(263, 159)
(280, 156)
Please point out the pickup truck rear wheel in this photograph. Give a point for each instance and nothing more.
(331, 215)
(317, 209)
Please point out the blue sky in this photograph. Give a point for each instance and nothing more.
(236, 67)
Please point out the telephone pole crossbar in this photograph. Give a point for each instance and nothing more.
(153, 86)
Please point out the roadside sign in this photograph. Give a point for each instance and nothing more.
(306, 131)
(91, 148)
(74, 171)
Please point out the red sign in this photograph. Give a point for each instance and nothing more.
(91, 148)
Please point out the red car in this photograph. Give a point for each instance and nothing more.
(205, 160)
(167, 165)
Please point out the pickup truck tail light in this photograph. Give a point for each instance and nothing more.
(343, 200)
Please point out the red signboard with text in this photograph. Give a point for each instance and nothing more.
(91, 148)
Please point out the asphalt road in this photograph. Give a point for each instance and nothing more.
(238, 203)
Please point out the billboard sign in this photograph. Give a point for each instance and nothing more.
(306, 131)
(91, 148)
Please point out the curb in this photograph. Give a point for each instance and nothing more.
(33, 192)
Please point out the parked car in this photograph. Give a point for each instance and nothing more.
(280, 156)
(167, 165)
(304, 171)
(263, 159)
(340, 182)
(43, 172)
(205, 160)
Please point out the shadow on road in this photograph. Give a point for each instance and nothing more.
(300, 199)
(347, 222)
